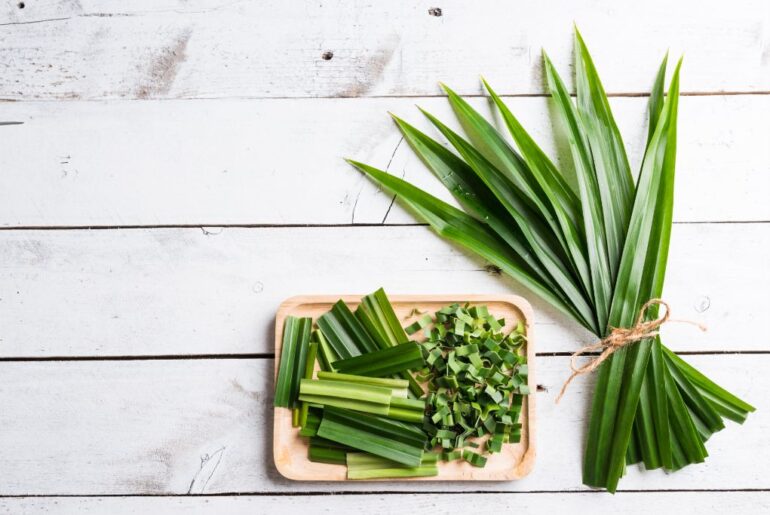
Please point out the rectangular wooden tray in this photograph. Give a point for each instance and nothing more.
(514, 462)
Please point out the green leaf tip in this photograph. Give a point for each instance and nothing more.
(449, 91)
(361, 167)
(398, 121)
(429, 116)
(577, 31)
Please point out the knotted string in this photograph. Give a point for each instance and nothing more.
(619, 337)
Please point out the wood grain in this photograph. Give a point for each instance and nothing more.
(222, 48)
(204, 426)
(513, 462)
(224, 112)
(748, 503)
(280, 161)
(215, 291)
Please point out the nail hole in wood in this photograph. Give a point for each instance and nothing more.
(435, 11)
(327, 56)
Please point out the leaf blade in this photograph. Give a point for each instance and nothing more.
(613, 173)
(643, 264)
(593, 225)
(467, 232)
(476, 196)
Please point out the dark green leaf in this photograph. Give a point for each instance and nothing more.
(344, 332)
(613, 173)
(590, 198)
(468, 232)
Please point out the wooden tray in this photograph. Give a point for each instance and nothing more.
(515, 460)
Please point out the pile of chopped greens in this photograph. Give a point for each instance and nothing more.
(476, 378)
(367, 409)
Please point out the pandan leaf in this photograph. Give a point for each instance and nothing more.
(597, 257)
(468, 232)
(593, 224)
(540, 239)
(613, 173)
(640, 278)
(344, 332)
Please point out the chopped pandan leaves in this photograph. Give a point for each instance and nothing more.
(294, 346)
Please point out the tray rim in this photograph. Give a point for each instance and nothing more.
(522, 469)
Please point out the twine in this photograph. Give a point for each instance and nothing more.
(620, 337)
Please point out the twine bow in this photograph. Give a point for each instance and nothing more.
(619, 337)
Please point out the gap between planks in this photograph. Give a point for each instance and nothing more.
(619, 94)
(284, 226)
(388, 492)
(270, 355)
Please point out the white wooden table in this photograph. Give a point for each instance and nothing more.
(177, 173)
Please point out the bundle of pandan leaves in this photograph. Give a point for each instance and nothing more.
(597, 251)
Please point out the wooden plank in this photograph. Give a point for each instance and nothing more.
(513, 462)
(219, 48)
(193, 291)
(280, 161)
(631, 503)
(203, 426)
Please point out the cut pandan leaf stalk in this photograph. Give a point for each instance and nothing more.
(393, 473)
(321, 450)
(324, 455)
(326, 355)
(451, 455)
(378, 317)
(367, 466)
(312, 421)
(390, 439)
(406, 356)
(337, 402)
(363, 460)
(477, 460)
(345, 390)
(300, 365)
(295, 341)
(309, 369)
(357, 396)
(367, 399)
(407, 404)
(422, 323)
(376, 314)
(394, 384)
(344, 332)
(406, 415)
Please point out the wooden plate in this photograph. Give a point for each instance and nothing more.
(515, 460)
